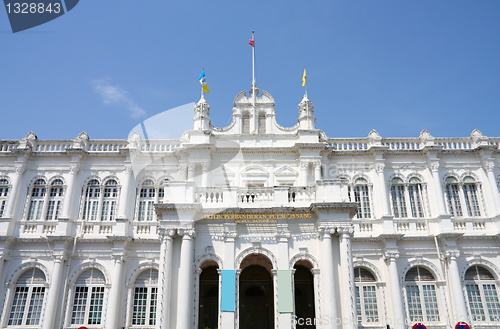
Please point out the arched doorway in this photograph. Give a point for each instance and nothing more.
(304, 295)
(256, 301)
(208, 307)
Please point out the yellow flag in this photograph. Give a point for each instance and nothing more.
(304, 77)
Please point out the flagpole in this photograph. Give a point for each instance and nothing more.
(305, 83)
(203, 69)
(253, 70)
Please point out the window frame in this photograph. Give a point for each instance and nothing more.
(92, 287)
(100, 200)
(5, 188)
(151, 289)
(361, 318)
(27, 307)
(55, 199)
(462, 200)
(479, 284)
(149, 202)
(365, 209)
(36, 205)
(426, 315)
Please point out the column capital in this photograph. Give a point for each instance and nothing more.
(326, 231)
(59, 258)
(205, 166)
(119, 258)
(317, 164)
(20, 167)
(74, 168)
(229, 236)
(282, 234)
(127, 169)
(391, 255)
(166, 233)
(187, 233)
(489, 165)
(303, 165)
(345, 232)
(434, 165)
(452, 255)
(182, 166)
(379, 167)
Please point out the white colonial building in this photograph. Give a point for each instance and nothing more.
(250, 226)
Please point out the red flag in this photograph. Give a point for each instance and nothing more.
(251, 42)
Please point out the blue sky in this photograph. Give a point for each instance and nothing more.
(390, 65)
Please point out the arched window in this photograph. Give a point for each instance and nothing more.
(366, 296)
(362, 197)
(109, 200)
(88, 299)
(398, 198)
(453, 197)
(145, 299)
(262, 123)
(245, 123)
(92, 197)
(37, 198)
(416, 196)
(457, 194)
(27, 302)
(470, 195)
(147, 196)
(55, 200)
(421, 295)
(4, 192)
(482, 295)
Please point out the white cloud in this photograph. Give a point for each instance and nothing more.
(115, 96)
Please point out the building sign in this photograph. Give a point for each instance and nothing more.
(264, 217)
(462, 325)
(419, 326)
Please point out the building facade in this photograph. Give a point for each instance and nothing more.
(250, 226)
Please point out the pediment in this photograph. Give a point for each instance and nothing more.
(254, 171)
(285, 171)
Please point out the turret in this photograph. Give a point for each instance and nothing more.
(201, 120)
(307, 120)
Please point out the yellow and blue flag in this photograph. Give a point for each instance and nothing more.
(304, 77)
(203, 81)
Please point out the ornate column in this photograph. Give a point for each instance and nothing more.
(124, 193)
(437, 187)
(317, 288)
(379, 167)
(205, 166)
(228, 319)
(70, 187)
(347, 283)
(51, 310)
(460, 309)
(328, 277)
(398, 319)
(303, 173)
(165, 277)
(191, 168)
(6, 309)
(317, 170)
(183, 170)
(489, 165)
(186, 271)
(115, 300)
(13, 195)
(282, 237)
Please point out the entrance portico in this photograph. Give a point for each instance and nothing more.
(269, 262)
